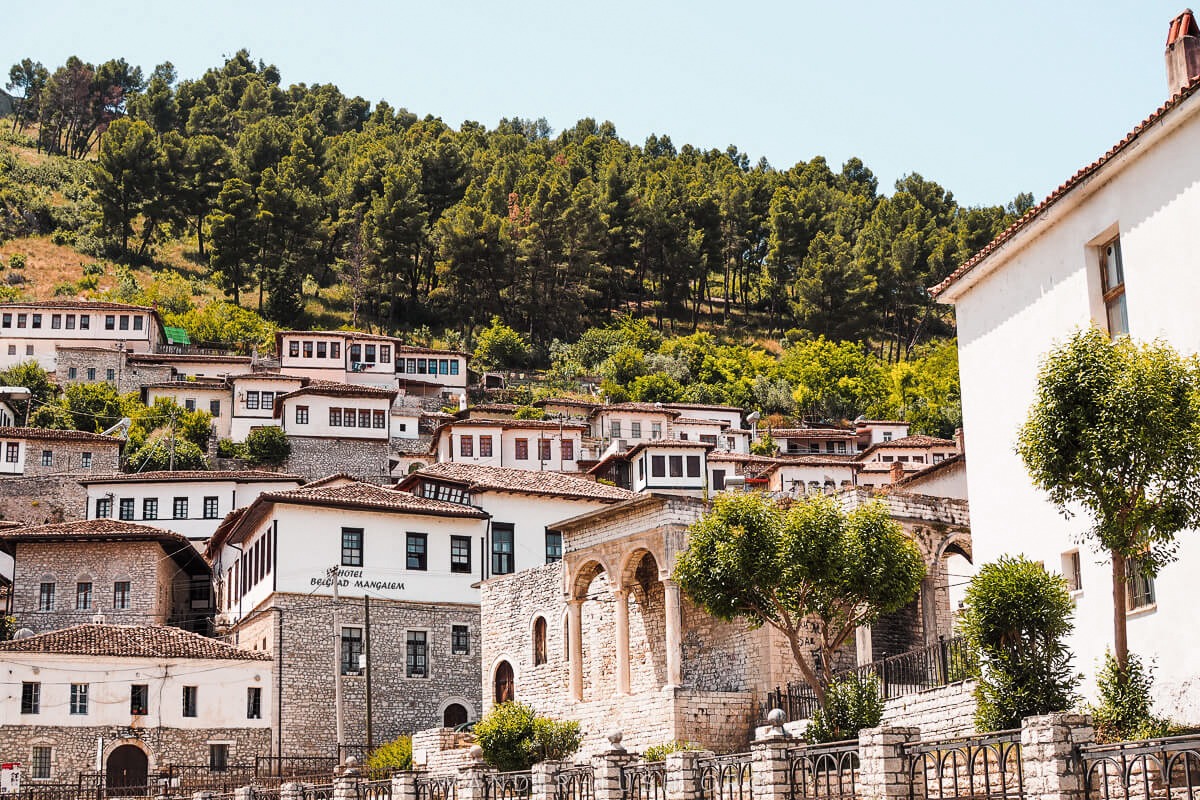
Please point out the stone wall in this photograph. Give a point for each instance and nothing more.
(74, 748)
(43, 500)
(942, 712)
(102, 359)
(315, 457)
(440, 750)
(678, 511)
(67, 456)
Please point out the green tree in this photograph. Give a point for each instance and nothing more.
(812, 564)
(1017, 619)
(92, 407)
(233, 229)
(853, 702)
(500, 347)
(225, 322)
(513, 737)
(1114, 430)
(267, 445)
(127, 177)
(31, 376)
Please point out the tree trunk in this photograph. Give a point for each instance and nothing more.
(1120, 631)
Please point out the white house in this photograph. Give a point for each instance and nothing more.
(252, 396)
(669, 465)
(33, 330)
(904, 455)
(801, 475)
(129, 700)
(191, 503)
(632, 423)
(373, 360)
(529, 444)
(336, 410)
(1115, 247)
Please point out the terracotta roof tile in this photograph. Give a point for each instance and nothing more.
(647, 407)
(370, 497)
(131, 641)
(166, 476)
(334, 389)
(84, 529)
(92, 305)
(522, 481)
(55, 435)
(812, 433)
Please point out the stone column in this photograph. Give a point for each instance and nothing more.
(621, 622)
(288, 791)
(543, 779)
(771, 765)
(470, 776)
(674, 626)
(345, 786)
(575, 647)
(404, 785)
(607, 767)
(683, 778)
(883, 773)
(1048, 745)
(243, 793)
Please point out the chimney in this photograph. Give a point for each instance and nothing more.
(897, 473)
(1183, 52)
(960, 441)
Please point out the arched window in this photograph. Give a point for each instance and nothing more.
(454, 715)
(504, 689)
(539, 641)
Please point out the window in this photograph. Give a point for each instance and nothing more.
(370, 354)
(41, 761)
(322, 349)
(1071, 571)
(83, 596)
(352, 547)
(485, 446)
(349, 418)
(385, 353)
(150, 508)
(378, 419)
(126, 508)
(11, 452)
(417, 656)
(214, 408)
(1139, 585)
(352, 647)
(416, 546)
(71, 322)
(189, 701)
(421, 366)
(37, 320)
(137, 323)
(46, 596)
(1112, 283)
(412, 366)
(718, 480)
(85, 460)
(79, 698)
(294, 349)
(210, 508)
(635, 430)
(829, 447)
(539, 641)
(693, 466)
(31, 698)
(614, 429)
(708, 438)
(655, 430)
(887, 436)
(443, 366)
(56, 321)
(72, 373)
(841, 447)
(460, 554)
(522, 449)
(364, 418)
(139, 699)
(85, 322)
(543, 449)
(553, 546)
(454, 367)
(356, 353)
(121, 595)
(335, 418)
(218, 757)
(301, 415)
(460, 640)
(254, 703)
(124, 322)
(103, 508)
(308, 349)
(7, 321)
(21, 320)
(502, 548)
(251, 400)
(568, 449)
(466, 446)
(658, 466)
(91, 373)
(180, 510)
(111, 375)
(676, 464)
(268, 400)
(335, 349)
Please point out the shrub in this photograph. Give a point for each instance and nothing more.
(65, 289)
(94, 268)
(529, 412)
(155, 455)
(1017, 618)
(62, 237)
(268, 445)
(1125, 708)
(851, 704)
(16, 261)
(659, 752)
(513, 737)
(764, 446)
(396, 754)
(227, 448)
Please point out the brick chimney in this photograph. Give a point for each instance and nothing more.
(897, 472)
(1183, 52)
(960, 440)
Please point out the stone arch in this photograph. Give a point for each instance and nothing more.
(632, 561)
(538, 640)
(504, 680)
(445, 707)
(644, 595)
(583, 575)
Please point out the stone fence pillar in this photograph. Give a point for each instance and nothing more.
(404, 785)
(243, 793)
(203, 795)
(471, 775)
(289, 791)
(883, 767)
(683, 775)
(771, 765)
(346, 782)
(606, 768)
(544, 783)
(1048, 749)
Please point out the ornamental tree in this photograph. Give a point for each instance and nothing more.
(811, 566)
(1114, 431)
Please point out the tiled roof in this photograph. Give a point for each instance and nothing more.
(370, 497)
(408, 348)
(701, 407)
(918, 441)
(556, 484)
(507, 422)
(724, 423)
(55, 435)
(151, 358)
(812, 433)
(166, 476)
(131, 641)
(819, 459)
(566, 401)
(84, 529)
(932, 469)
(267, 376)
(201, 384)
(334, 389)
(95, 305)
(1062, 191)
(647, 407)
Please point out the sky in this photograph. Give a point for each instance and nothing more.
(990, 99)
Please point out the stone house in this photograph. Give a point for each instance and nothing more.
(1113, 247)
(131, 700)
(65, 574)
(40, 470)
(336, 427)
(34, 330)
(405, 596)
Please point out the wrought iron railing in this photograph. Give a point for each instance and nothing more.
(824, 772)
(946, 662)
(309, 791)
(1152, 768)
(507, 785)
(294, 766)
(645, 780)
(575, 783)
(380, 789)
(187, 778)
(797, 700)
(270, 792)
(725, 777)
(436, 787)
(984, 767)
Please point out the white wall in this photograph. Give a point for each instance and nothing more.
(318, 416)
(645, 480)
(13, 467)
(796, 479)
(17, 341)
(202, 395)
(1041, 295)
(245, 419)
(603, 419)
(530, 515)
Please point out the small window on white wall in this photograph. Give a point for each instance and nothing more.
(1071, 571)
(1112, 283)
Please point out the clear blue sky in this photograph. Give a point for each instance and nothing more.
(989, 99)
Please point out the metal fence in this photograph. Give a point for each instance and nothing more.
(575, 783)
(725, 777)
(824, 772)
(310, 791)
(1166, 768)
(645, 780)
(984, 767)
(797, 699)
(294, 766)
(507, 785)
(378, 789)
(939, 664)
(436, 787)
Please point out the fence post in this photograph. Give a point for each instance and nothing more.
(346, 781)
(883, 767)
(683, 774)
(243, 793)
(204, 796)
(470, 776)
(607, 766)
(404, 785)
(770, 768)
(1048, 755)
(289, 791)
(542, 779)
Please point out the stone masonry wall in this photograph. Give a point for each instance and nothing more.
(74, 748)
(42, 500)
(942, 712)
(102, 359)
(67, 457)
(151, 575)
(678, 511)
(315, 457)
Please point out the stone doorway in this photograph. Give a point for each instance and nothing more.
(126, 772)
